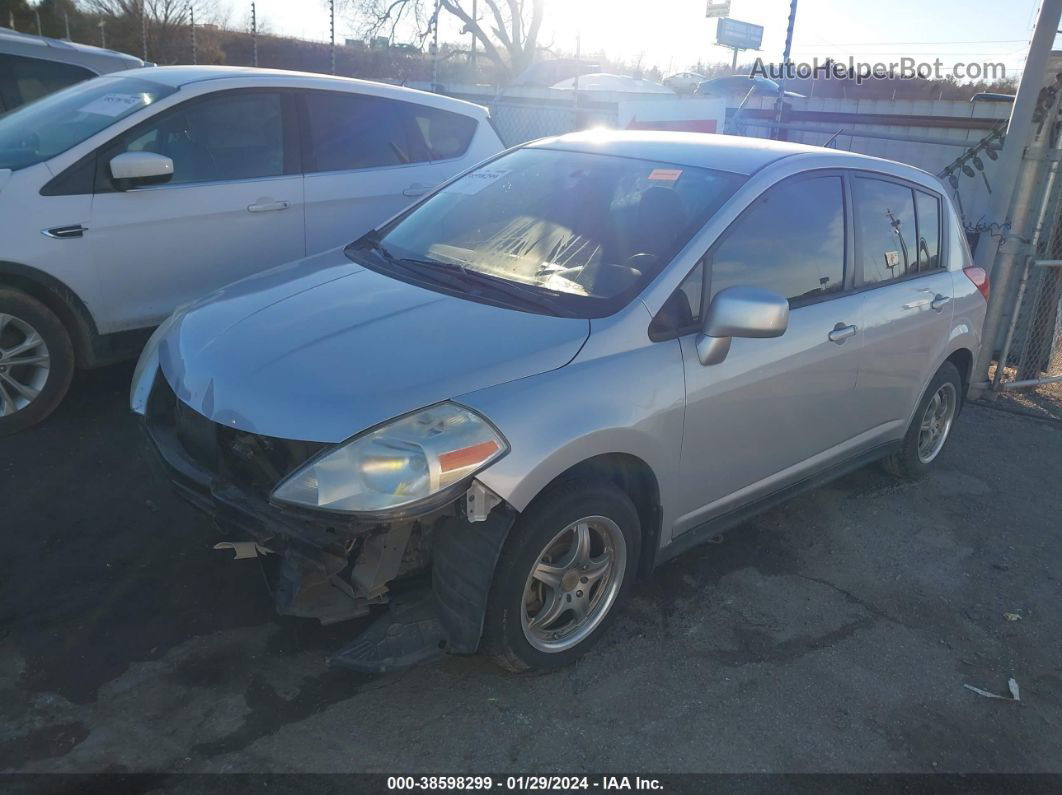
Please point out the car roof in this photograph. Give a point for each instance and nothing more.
(733, 153)
(96, 59)
(177, 76)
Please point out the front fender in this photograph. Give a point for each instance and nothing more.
(628, 401)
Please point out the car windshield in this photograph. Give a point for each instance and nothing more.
(51, 125)
(579, 234)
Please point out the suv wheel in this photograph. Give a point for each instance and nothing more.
(36, 361)
(931, 426)
(569, 561)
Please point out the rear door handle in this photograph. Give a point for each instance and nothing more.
(267, 207)
(938, 302)
(416, 189)
(841, 332)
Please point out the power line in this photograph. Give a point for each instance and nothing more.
(981, 41)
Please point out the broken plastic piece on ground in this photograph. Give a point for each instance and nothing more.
(244, 549)
(1012, 616)
(1012, 685)
(408, 634)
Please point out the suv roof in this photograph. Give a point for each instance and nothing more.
(95, 59)
(178, 76)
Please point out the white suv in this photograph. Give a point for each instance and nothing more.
(127, 195)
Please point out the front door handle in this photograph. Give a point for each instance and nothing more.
(841, 332)
(267, 207)
(938, 302)
(416, 189)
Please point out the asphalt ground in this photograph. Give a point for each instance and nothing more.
(833, 634)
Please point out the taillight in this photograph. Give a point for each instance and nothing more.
(979, 279)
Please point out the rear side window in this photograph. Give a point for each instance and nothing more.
(231, 136)
(24, 79)
(352, 131)
(886, 230)
(791, 241)
(927, 210)
(445, 134)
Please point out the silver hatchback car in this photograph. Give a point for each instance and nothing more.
(482, 421)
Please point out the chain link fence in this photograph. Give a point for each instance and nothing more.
(520, 121)
(1028, 373)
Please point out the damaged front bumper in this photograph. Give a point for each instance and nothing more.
(335, 568)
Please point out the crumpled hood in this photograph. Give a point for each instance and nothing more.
(323, 348)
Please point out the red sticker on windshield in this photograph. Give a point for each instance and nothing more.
(665, 174)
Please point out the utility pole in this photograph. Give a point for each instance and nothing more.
(103, 33)
(778, 105)
(66, 22)
(143, 28)
(37, 14)
(1003, 257)
(254, 33)
(435, 49)
(191, 27)
(332, 30)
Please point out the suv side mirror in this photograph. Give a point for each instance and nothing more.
(740, 312)
(135, 169)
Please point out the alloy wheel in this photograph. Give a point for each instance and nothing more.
(936, 422)
(24, 364)
(573, 584)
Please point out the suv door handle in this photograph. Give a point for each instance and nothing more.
(416, 189)
(938, 302)
(267, 207)
(841, 332)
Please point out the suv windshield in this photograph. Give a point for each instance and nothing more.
(564, 232)
(55, 123)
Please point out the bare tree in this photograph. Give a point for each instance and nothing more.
(506, 31)
(165, 23)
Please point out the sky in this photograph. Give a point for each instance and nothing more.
(674, 34)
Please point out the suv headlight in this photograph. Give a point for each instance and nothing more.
(396, 464)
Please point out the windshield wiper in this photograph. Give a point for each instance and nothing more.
(452, 275)
(538, 298)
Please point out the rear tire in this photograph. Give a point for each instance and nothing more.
(930, 427)
(585, 539)
(36, 361)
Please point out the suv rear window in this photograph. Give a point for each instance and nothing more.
(348, 131)
(24, 79)
(446, 134)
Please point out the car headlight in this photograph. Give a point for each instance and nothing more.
(148, 364)
(399, 463)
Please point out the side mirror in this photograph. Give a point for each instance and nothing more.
(740, 312)
(135, 169)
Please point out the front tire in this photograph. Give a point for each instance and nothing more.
(569, 561)
(36, 361)
(931, 426)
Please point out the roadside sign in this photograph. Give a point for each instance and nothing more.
(739, 35)
(718, 8)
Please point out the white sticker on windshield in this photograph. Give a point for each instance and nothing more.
(113, 104)
(477, 180)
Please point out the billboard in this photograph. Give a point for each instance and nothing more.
(718, 8)
(739, 35)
